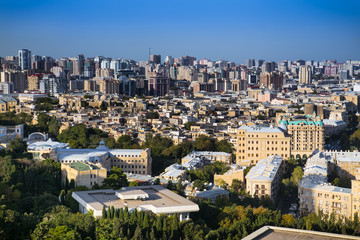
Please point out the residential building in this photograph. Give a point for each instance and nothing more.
(307, 133)
(258, 142)
(24, 57)
(158, 84)
(271, 80)
(305, 75)
(265, 177)
(236, 172)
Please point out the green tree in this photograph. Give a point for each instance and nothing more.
(116, 179)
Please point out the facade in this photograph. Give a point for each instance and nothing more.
(307, 134)
(236, 172)
(271, 80)
(208, 156)
(305, 75)
(316, 194)
(158, 84)
(264, 179)
(41, 149)
(24, 57)
(129, 160)
(257, 142)
(83, 174)
(34, 82)
(153, 198)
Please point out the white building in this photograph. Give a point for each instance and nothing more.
(153, 198)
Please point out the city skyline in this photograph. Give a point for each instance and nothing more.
(230, 31)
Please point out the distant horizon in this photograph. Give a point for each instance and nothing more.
(163, 58)
(231, 30)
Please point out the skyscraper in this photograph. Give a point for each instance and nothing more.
(155, 59)
(305, 75)
(24, 59)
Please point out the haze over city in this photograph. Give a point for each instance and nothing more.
(172, 120)
(228, 30)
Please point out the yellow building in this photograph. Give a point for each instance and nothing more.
(316, 194)
(235, 173)
(264, 179)
(307, 134)
(83, 174)
(136, 161)
(257, 142)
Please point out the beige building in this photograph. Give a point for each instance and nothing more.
(236, 172)
(307, 134)
(316, 194)
(33, 82)
(83, 174)
(305, 74)
(257, 142)
(136, 161)
(264, 179)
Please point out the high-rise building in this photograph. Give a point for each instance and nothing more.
(271, 80)
(24, 59)
(158, 84)
(250, 63)
(156, 59)
(169, 60)
(305, 75)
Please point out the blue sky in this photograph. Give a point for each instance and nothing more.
(229, 29)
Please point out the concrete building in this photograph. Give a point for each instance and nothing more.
(258, 142)
(153, 198)
(158, 84)
(83, 174)
(24, 57)
(271, 80)
(305, 75)
(264, 179)
(34, 81)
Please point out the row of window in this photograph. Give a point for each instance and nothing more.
(119, 160)
(130, 166)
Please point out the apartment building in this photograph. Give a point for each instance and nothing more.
(317, 194)
(306, 132)
(265, 177)
(258, 142)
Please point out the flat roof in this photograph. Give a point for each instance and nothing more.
(160, 200)
(281, 233)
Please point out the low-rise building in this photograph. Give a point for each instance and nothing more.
(153, 198)
(83, 174)
(236, 172)
(41, 149)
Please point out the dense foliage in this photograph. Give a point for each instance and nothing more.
(79, 136)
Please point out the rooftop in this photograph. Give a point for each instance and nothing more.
(153, 198)
(81, 166)
(281, 233)
(265, 169)
(260, 129)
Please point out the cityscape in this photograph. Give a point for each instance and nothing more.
(156, 142)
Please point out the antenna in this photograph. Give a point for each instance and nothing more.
(149, 53)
